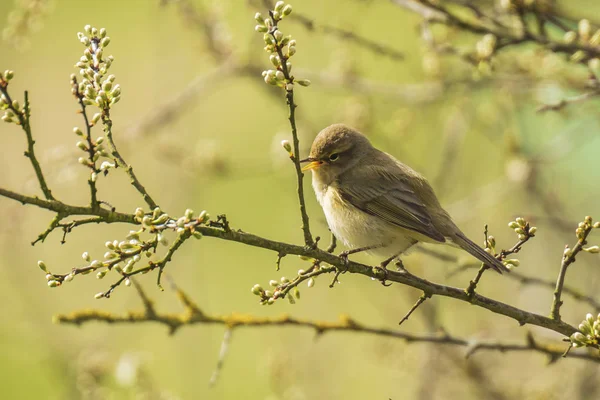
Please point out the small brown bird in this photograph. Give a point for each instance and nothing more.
(375, 203)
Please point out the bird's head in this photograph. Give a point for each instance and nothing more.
(336, 149)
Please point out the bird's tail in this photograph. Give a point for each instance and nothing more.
(466, 244)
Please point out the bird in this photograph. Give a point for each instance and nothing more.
(375, 203)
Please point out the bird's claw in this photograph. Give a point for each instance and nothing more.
(344, 256)
(383, 267)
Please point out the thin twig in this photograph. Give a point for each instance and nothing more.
(289, 97)
(568, 259)
(107, 122)
(569, 100)
(420, 301)
(222, 353)
(24, 121)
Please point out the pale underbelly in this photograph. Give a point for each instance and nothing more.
(357, 229)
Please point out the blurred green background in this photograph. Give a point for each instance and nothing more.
(478, 139)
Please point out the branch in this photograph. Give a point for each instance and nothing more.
(521, 316)
(24, 120)
(192, 315)
(435, 12)
(289, 97)
(516, 275)
(348, 35)
(583, 231)
(107, 122)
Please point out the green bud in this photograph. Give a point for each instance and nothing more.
(161, 219)
(532, 230)
(42, 266)
(268, 293)
(127, 282)
(53, 284)
(287, 10)
(593, 249)
(310, 283)
(87, 29)
(291, 50)
(109, 255)
(278, 35)
(274, 60)
(99, 295)
(578, 56)
(273, 283)
(279, 6)
(270, 79)
(105, 42)
(269, 40)
(81, 145)
(86, 256)
(261, 28)
(257, 289)
(102, 33)
(69, 277)
(520, 221)
(286, 145)
(258, 17)
(303, 82)
(291, 299)
(584, 28)
(8, 74)
(197, 235)
(589, 318)
(279, 75)
(270, 301)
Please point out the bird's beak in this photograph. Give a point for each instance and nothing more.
(312, 164)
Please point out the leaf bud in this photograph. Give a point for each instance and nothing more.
(42, 266)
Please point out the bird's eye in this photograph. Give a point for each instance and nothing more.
(334, 157)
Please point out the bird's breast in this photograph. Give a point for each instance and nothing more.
(350, 225)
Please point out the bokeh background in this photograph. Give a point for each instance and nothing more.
(202, 130)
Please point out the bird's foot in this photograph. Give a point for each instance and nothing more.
(344, 256)
(383, 267)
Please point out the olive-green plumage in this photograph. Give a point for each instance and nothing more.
(370, 199)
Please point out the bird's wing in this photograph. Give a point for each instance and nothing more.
(390, 196)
